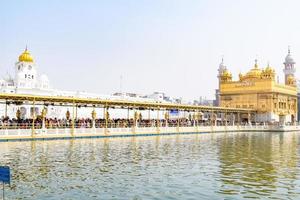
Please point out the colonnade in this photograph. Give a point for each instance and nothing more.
(174, 116)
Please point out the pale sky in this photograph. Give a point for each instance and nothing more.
(172, 46)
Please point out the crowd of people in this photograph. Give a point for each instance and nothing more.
(13, 123)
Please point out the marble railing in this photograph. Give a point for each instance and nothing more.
(102, 132)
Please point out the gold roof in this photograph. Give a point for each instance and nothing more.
(25, 56)
(226, 73)
(268, 71)
(291, 80)
(226, 76)
(255, 72)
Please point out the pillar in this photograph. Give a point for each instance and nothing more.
(249, 119)
(5, 109)
(44, 113)
(18, 114)
(233, 119)
(128, 113)
(213, 119)
(73, 119)
(140, 117)
(106, 120)
(135, 119)
(178, 121)
(33, 119)
(94, 115)
(158, 120)
(167, 118)
(149, 114)
(76, 112)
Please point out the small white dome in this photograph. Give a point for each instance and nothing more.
(222, 67)
(289, 59)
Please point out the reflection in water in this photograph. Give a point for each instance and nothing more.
(207, 166)
(255, 165)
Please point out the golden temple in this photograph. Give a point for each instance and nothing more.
(259, 90)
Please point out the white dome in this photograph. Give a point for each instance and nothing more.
(222, 67)
(288, 58)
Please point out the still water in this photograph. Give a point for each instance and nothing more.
(205, 166)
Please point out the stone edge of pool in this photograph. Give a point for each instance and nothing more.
(119, 135)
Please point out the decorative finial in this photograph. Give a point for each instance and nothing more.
(255, 65)
(289, 49)
(268, 64)
(222, 58)
(26, 48)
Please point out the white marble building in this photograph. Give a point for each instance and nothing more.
(27, 80)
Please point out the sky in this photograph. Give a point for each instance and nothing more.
(171, 46)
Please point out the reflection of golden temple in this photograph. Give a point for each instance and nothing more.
(259, 90)
(257, 159)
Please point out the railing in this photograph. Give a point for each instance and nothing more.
(130, 125)
(29, 125)
(83, 128)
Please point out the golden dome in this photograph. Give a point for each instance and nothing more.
(25, 56)
(291, 80)
(226, 73)
(269, 69)
(255, 72)
(226, 76)
(268, 73)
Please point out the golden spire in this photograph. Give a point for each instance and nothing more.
(256, 65)
(26, 56)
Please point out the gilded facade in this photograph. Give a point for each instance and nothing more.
(259, 90)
